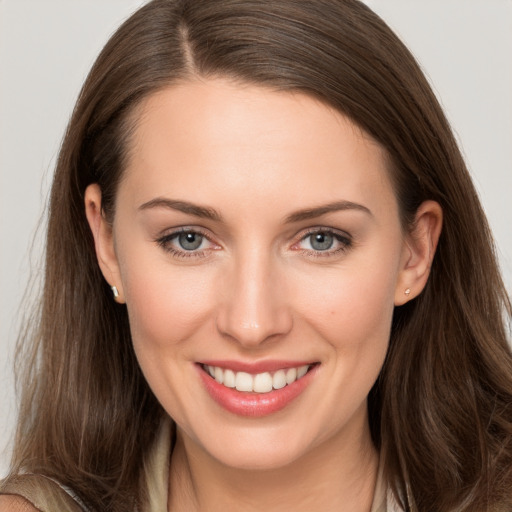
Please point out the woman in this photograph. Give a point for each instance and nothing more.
(269, 280)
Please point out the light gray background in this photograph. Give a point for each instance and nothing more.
(47, 47)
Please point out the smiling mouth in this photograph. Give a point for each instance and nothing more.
(264, 382)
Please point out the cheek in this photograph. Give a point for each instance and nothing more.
(167, 308)
(166, 304)
(352, 305)
(355, 320)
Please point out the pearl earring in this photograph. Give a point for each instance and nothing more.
(115, 291)
(408, 291)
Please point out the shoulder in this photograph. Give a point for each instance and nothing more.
(29, 493)
(12, 503)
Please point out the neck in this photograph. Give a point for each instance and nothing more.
(339, 474)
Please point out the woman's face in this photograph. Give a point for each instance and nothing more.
(256, 233)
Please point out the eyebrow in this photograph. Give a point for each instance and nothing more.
(183, 206)
(311, 213)
(212, 214)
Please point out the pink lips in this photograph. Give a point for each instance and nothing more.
(254, 404)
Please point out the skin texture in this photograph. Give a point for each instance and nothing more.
(257, 290)
(15, 504)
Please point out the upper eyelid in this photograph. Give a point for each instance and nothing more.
(171, 232)
(166, 237)
(323, 229)
(167, 242)
(344, 241)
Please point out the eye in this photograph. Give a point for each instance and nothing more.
(190, 241)
(323, 242)
(186, 242)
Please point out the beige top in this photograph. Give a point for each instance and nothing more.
(49, 496)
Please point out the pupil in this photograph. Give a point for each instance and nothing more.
(322, 241)
(190, 241)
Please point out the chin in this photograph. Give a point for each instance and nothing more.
(260, 449)
(257, 458)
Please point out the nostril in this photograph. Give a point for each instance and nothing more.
(267, 323)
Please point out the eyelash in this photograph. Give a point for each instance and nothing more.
(166, 243)
(344, 241)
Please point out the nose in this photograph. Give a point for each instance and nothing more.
(255, 308)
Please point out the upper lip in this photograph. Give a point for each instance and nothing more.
(256, 366)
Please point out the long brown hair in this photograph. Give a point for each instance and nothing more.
(441, 410)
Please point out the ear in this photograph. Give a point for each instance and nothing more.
(418, 252)
(103, 240)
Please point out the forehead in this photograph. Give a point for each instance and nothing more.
(212, 136)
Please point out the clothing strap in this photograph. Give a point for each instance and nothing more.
(42, 492)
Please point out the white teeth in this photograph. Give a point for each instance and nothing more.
(243, 381)
(279, 379)
(262, 383)
(259, 383)
(302, 371)
(229, 378)
(219, 375)
(291, 375)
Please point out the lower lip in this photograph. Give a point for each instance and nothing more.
(254, 405)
